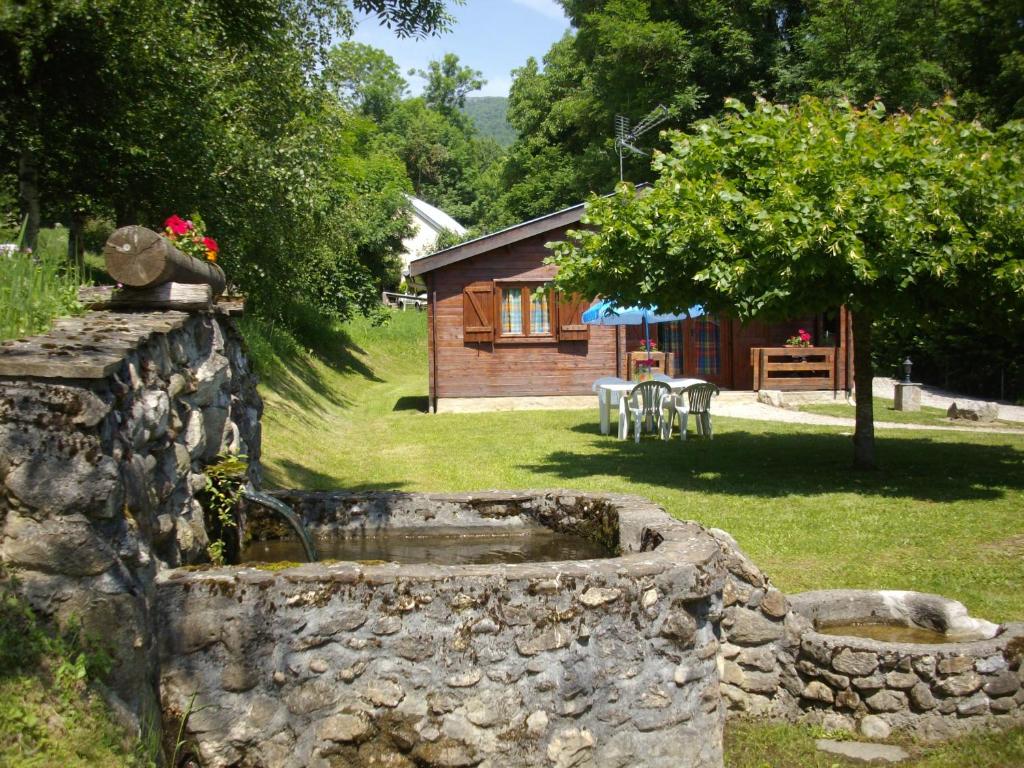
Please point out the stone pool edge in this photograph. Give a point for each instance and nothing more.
(321, 663)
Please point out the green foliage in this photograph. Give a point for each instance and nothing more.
(627, 56)
(781, 210)
(910, 53)
(450, 165)
(123, 112)
(364, 78)
(489, 115)
(49, 715)
(225, 480)
(448, 84)
(34, 288)
(446, 238)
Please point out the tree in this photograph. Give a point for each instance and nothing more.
(627, 57)
(448, 84)
(450, 164)
(777, 211)
(910, 53)
(364, 78)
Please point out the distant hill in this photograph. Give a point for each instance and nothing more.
(488, 114)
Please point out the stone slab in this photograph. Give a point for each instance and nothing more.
(862, 752)
(89, 347)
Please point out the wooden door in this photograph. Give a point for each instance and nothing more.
(707, 350)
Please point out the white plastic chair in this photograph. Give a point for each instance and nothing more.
(644, 403)
(695, 399)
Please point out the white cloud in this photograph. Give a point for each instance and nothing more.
(549, 8)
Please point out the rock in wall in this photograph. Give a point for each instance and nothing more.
(106, 425)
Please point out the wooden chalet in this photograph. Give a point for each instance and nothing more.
(494, 332)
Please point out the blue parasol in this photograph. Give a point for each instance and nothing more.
(609, 313)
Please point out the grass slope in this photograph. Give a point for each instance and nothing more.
(944, 515)
(50, 713)
(35, 289)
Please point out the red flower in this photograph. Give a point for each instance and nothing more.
(177, 225)
(211, 244)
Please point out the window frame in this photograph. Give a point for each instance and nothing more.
(527, 287)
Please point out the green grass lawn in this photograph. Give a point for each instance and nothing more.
(884, 411)
(944, 514)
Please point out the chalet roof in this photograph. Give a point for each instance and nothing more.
(503, 237)
(433, 217)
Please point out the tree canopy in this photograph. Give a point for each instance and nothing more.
(137, 109)
(777, 210)
(627, 56)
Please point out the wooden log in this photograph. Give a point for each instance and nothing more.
(180, 296)
(141, 258)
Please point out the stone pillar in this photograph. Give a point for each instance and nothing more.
(908, 396)
(106, 426)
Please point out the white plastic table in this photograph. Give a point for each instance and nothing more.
(605, 392)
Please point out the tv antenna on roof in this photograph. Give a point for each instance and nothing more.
(625, 137)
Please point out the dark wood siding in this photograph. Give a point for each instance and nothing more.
(462, 368)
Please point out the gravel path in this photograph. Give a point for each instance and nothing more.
(941, 398)
(750, 409)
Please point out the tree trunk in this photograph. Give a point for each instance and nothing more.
(28, 191)
(124, 214)
(141, 258)
(76, 249)
(863, 374)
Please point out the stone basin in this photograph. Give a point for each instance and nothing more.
(944, 619)
(971, 678)
(607, 662)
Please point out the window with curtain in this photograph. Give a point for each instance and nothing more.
(540, 313)
(708, 345)
(526, 311)
(512, 311)
(671, 337)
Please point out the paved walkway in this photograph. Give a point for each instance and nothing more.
(744, 405)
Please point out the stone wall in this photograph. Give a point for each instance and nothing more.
(589, 663)
(760, 638)
(106, 424)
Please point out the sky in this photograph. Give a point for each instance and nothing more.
(493, 36)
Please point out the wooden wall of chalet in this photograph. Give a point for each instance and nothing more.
(463, 368)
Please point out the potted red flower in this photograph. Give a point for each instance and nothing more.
(188, 237)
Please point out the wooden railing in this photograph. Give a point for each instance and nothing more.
(793, 368)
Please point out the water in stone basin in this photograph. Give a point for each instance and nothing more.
(452, 546)
(890, 633)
